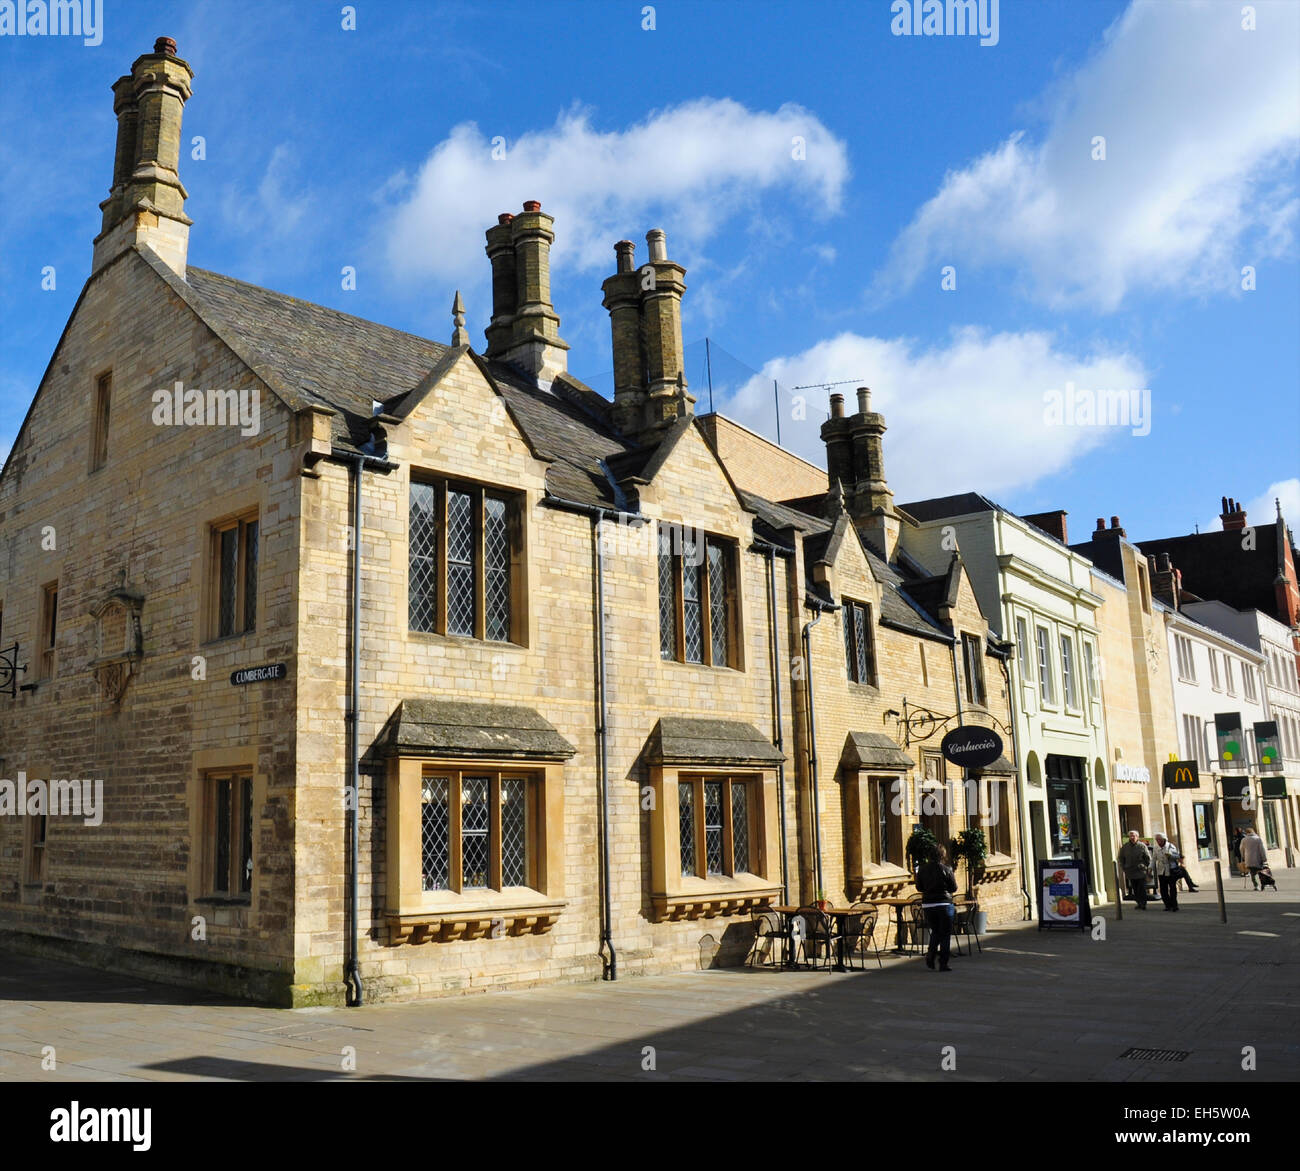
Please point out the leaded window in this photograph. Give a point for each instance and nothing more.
(235, 553)
(717, 814)
(229, 850)
(697, 598)
(462, 548)
(859, 645)
(478, 829)
(972, 649)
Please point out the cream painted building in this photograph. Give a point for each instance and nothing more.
(1039, 597)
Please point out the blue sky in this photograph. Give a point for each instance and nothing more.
(328, 147)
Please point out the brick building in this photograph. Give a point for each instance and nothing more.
(408, 668)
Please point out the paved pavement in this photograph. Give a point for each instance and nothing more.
(1034, 1005)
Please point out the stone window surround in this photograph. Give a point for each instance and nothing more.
(234, 910)
(860, 871)
(415, 915)
(675, 896)
(242, 504)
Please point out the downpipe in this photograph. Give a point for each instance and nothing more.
(771, 552)
(812, 745)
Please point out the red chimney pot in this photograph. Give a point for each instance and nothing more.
(532, 205)
(165, 45)
(504, 218)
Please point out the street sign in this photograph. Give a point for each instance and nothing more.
(1181, 774)
(263, 674)
(971, 747)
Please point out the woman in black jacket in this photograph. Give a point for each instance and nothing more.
(937, 884)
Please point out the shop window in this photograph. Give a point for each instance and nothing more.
(886, 821)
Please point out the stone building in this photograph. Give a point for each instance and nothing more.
(408, 668)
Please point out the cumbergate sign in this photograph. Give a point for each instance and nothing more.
(1181, 774)
(971, 747)
(259, 674)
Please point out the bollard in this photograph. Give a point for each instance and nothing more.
(1218, 882)
(1119, 894)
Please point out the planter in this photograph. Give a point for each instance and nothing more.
(981, 922)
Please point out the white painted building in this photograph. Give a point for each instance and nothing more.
(1214, 674)
(1281, 693)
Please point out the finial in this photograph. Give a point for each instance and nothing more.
(835, 500)
(459, 335)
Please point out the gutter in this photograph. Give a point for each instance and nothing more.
(598, 514)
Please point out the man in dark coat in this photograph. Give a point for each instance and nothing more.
(1135, 862)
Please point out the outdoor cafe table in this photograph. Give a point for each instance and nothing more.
(898, 904)
(834, 913)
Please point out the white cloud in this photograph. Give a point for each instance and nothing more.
(964, 415)
(1202, 127)
(687, 169)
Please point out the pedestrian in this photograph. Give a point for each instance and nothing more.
(937, 884)
(1255, 857)
(1237, 838)
(1164, 861)
(1135, 862)
(1180, 872)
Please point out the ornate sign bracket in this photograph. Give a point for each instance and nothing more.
(9, 670)
(921, 723)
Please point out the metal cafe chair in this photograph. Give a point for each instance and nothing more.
(768, 927)
(861, 931)
(918, 938)
(819, 936)
(964, 924)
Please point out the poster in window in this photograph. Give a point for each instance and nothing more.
(1063, 820)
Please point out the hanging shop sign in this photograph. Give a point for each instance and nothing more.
(1063, 894)
(1272, 788)
(971, 747)
(1267, 746)
(1181, 774)
(1228, 737)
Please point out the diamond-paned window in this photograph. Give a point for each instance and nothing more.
(686, 817)
(667, 605)
(475, 826)
(422, 558)
(435, 834)
(460, 563)
(717, 561)
(696, 597)
(228, 858)
(514, 832)
(859, 650)
(713, 827)
(740, 826)
(229, 564)
(496, 569)
(711, 806)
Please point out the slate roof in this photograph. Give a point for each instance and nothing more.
(423, 727)
(678, 740)
(313, 354)
(961, 504)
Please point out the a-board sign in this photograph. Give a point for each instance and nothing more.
(971, 747)
(1181, 774)
(263, 674)
(1063, 893)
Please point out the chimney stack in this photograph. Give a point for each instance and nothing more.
(525, 329)
(146, 202)
(645, 321)
(1052, 523)
(855, 459)
(1166, 581)
(1233, 515)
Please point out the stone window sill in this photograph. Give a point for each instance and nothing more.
(447, 915)
(707, 898)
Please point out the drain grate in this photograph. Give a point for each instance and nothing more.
(1155, 1054)
(1268, 963)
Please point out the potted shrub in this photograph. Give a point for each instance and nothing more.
(972, 846)
(922, 846)
(820, 901)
